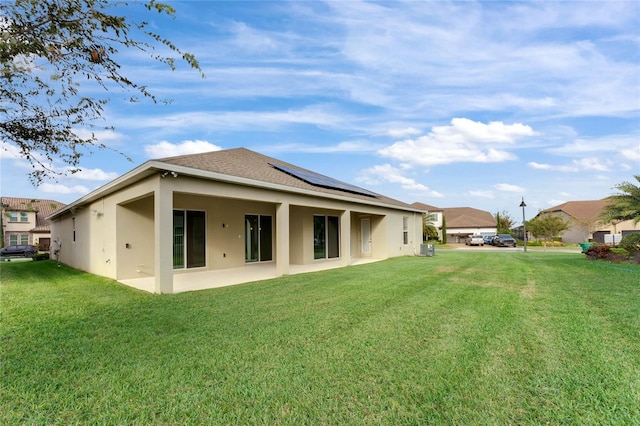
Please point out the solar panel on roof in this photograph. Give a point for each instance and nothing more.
(322, 181)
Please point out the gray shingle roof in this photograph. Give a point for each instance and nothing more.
(244, 163)
(426, 207)
(586, 210)
(464, 217)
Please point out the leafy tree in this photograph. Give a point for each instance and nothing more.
(547, 227)
(585, 226)
(51, 53)
(623, 206)
(631, 243)
(429, 229)
(504, 222)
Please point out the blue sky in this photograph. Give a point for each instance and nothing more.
(447, 103)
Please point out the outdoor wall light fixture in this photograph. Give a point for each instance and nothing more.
(167, 172)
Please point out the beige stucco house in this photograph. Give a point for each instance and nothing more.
(24, 221)
(191, 221)
(584, 222)
(461, 222)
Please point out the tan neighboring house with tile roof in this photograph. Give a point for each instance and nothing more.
(172, 223)
(583, 221)
(461, 222)
(24, 221)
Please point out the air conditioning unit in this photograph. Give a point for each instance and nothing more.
(427, 250)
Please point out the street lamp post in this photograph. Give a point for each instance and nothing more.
(524, 226)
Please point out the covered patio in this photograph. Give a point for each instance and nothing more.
(201, 280)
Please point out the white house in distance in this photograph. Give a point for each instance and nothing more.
(461, 222)
(191, 221)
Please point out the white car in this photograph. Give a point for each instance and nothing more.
(474, 240)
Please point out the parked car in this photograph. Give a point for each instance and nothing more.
(488, 239)
(474, 240)
(19, 250)
(504, 240)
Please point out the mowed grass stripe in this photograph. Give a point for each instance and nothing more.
(476, 337)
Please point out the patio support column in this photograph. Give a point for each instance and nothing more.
(345, 238)
(163, 229)
(282, 239)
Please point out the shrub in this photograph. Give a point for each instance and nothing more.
(596, 252)
(617, 258)
(631, 243)
(605, 252)
(618, 255)
(40, 256)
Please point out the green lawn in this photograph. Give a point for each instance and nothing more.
(459, 338)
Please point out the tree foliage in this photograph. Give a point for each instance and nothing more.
(429, 229)
(54, 54)
(504, 222)
(546, 227)
(631, 243)
(625, 205)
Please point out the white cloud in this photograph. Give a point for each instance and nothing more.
(387, 173)
(167, 149)
(250, 39)
(482, 194)
(401, 133)
(106, 137)
(632, 153)
(627, 145)
(91, 174)
(541, 166)
(505, 187)
(463, 130)
(462, 141)
(320, 115)
(56, 188)
(591, 163)
(9, 151)
(346, 146)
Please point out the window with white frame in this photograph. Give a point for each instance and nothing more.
(18, 239)
(18, 217)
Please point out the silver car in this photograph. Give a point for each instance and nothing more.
(474, 240)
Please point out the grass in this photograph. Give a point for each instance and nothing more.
(459, 338)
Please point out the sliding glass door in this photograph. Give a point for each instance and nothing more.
(258, 246)
(189, 239)
(326, 237)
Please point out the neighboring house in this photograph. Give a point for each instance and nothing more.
(584, 224)
(461, 221)
(24, 221)
(434, 215)
(168, 221)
